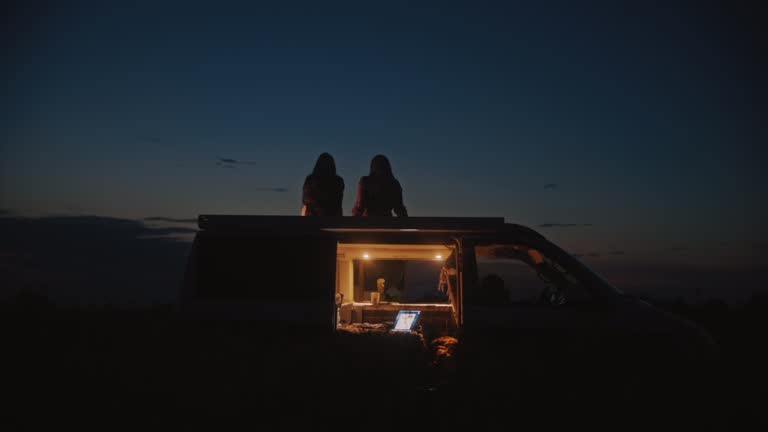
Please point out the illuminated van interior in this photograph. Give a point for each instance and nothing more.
(375, 281)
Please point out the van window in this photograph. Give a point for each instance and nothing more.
(517, 274)
(376, 281)
(392, 273)
(401, 281)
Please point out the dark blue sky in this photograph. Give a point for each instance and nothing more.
(646, 120)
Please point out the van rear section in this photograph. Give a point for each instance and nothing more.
(287, 279)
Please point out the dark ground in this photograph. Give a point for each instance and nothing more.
(77, 365)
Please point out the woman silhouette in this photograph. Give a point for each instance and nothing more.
(323, 189)
(379, 193)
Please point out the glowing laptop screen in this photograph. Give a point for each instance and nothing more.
(406, 320)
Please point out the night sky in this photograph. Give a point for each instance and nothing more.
(630, 134)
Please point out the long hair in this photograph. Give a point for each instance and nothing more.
(325, 166)
(380, 166)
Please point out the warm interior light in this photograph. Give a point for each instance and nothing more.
(438, 257)
(366, 256)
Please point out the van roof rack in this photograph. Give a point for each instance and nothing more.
(347, 223)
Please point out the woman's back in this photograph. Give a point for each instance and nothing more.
(379, 194)
(323, 190)
(323, 195)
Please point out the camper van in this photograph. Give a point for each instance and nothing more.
(335, 272)
(487, 300)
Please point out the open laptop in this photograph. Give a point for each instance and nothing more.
(406, 320)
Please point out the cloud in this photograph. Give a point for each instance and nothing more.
(165, 231)
(92, 259)
(551, 186)
(230, 162)
(269, 189)
(563, 225)
(169, 219)
(221, 162)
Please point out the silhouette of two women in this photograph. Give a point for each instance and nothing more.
(378, 194)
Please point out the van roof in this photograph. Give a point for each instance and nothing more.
(351, 224)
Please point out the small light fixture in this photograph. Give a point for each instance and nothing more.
(366, 256)
(437, 257)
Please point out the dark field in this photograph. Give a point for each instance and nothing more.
(75, 366)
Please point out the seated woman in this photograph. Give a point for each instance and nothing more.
(323, 189)
(379, 193)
